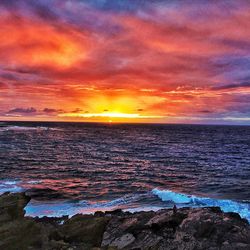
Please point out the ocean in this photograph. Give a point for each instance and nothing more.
(70, 168)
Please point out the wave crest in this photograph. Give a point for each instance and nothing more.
(243, 209)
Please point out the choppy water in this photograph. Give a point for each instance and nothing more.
(71, 167)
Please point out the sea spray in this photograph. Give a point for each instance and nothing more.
(243, 209)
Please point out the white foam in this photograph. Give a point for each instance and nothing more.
(243, 209)
(34, 182)
(127, 203)
(15, 186)
(10, 186)
(10, 182)
(167, 195)
(24, 128)
(143, 208)
(57, 209)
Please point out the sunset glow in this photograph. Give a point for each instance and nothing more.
(134, 61)
(115, 116)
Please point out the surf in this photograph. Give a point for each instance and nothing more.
(184, 200)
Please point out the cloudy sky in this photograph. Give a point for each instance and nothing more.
(125, 60)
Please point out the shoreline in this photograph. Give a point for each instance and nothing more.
(186, 228)
(166, 198)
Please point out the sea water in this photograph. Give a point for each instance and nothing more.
(70, 168)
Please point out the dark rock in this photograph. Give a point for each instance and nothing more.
(12, 206)
(215, 210)
(123, 241)
(205, 230)
(51, 220)
(88, 229)
(233, 215)
(170, 222)
(21, 234)
(99, 214)
(199, 228)
(115, 212)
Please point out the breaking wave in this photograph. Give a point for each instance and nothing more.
(60, 208)
(154, 200)
(10, 186)
(183, 200)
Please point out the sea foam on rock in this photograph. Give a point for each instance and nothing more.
(243, 209)
(186, 228)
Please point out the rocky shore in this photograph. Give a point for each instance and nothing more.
(186, 228)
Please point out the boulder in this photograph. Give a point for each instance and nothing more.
(12, 206)
(87, 229)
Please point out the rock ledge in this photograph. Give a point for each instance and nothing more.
(186, 228)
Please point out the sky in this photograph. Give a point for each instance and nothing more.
(125, 61)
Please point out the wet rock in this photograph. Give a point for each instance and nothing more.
(189, 229)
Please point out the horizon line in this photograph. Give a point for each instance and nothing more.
(125, 123)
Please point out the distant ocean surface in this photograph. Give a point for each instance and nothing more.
(70, 168)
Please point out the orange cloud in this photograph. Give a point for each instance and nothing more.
(26, 42)
(168, 61)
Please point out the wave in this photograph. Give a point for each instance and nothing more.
(57, 209)
(131, 202)
(15, 186)
(184, 200)
(24, 128)
(10, 186)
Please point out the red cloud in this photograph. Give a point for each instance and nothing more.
(27, 42)
(166, 61)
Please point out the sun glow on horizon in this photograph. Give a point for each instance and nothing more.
(109, 115)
